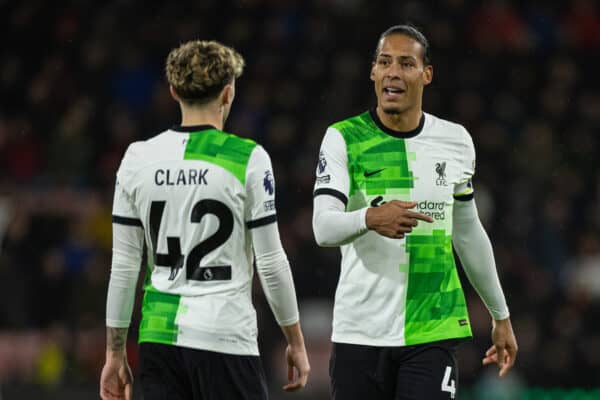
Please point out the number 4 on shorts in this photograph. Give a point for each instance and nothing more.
(447, 384)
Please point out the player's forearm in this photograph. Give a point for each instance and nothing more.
(332, 225)
(475, 251)
(119, 306)
(274, 273)
(121, 295)
(116, 340)
(277, 283)
(125, 267)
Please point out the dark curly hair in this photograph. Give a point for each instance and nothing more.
(198, 70)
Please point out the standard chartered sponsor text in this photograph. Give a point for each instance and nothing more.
(436, 210)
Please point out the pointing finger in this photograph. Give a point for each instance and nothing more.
(419, 216)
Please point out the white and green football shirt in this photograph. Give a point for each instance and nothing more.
(396, 292)
(196, 192)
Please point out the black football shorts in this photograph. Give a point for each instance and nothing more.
(178, 373)
(420, 372)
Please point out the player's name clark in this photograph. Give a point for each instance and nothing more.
(180, 177)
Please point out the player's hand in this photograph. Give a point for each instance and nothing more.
(395, 218)
(116, 381)
(504, 349)
(296, 359)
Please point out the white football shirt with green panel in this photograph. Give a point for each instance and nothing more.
(396, 292)
(197, 191)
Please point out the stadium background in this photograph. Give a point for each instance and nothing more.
(80, 80)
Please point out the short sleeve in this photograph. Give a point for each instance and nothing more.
(260, 190)
(332, 176)
(463, 190)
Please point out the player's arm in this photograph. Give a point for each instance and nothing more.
(128, 238)
(332, 224)
(277, 283)
(475, 251)
(272, 264)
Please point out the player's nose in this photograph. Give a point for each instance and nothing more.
(394, 71)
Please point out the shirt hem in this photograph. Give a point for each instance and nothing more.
(289, 321)
(366, 341)
(115, 323)
(228, 349)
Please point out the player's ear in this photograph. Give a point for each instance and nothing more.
(373, 71)
(174, 93)
(427, 74)
(228, 94)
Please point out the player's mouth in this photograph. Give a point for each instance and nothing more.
(392, 92)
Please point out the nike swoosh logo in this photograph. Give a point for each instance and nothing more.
(371, 173)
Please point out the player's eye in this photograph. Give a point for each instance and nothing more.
(383, 61)
(407, 65)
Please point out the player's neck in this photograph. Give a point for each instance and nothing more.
(403, 122)
(191, 116)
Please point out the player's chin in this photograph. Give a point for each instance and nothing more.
(391, 109)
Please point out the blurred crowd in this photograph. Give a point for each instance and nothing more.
(80, 80)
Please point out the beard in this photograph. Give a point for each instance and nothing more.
(391, 110)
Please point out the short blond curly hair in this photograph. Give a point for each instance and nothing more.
(198, 70)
